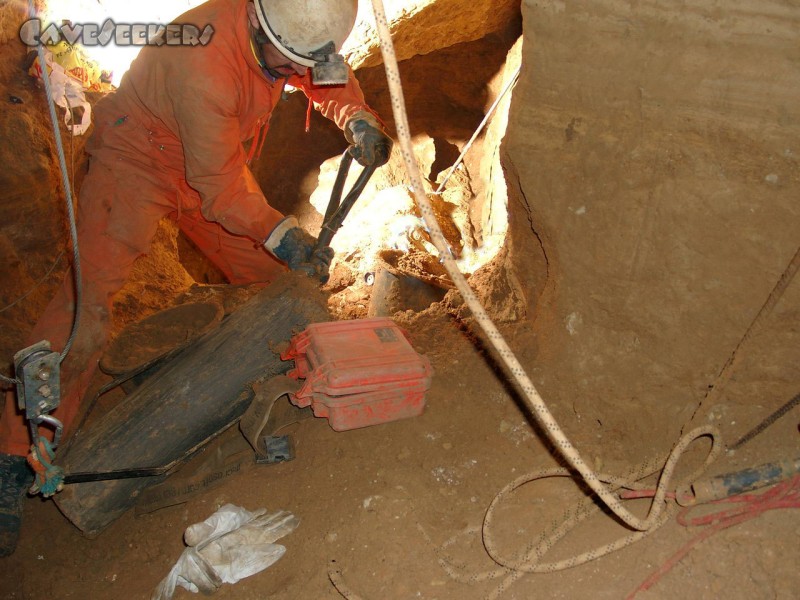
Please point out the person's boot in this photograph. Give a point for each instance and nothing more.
(15, 479)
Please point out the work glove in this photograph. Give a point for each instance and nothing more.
(372, 144)
(230, 545)
(293, 245)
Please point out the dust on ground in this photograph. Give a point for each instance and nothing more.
(367, 498)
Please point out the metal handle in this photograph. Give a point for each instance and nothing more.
(337, 208)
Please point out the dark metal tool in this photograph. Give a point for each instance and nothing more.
(338, 208)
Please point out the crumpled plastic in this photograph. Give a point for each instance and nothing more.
(66, 91)
(230, 545)
(78, 65)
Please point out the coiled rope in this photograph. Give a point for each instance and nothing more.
(531, 396)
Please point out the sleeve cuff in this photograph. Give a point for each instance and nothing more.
(274, 239)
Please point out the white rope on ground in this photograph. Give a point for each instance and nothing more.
(335, 576)
(529, 559)
(531, 396)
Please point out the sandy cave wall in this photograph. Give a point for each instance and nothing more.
(33, 249)
(419, 27)
(652, 156)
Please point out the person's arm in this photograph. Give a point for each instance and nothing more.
(345, 106)
(215, 159)
(339, 103)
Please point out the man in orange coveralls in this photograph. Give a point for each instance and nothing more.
(171, 142)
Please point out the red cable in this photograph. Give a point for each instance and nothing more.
(782, 495)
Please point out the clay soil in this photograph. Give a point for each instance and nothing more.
(368, 498)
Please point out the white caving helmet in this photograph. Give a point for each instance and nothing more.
(310, 33)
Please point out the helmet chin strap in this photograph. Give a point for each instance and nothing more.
(329, 69)
(260, 38)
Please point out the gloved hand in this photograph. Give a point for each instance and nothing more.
(372, 143)
(293, 245)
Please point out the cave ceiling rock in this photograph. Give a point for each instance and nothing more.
(423, 26)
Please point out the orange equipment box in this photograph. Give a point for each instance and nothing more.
(358, 373)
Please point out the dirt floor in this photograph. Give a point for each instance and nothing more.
(368, 498)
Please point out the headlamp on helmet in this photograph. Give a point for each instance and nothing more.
(310, 33)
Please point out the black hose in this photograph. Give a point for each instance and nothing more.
(338, 186)
(766, 423)
(336, 212)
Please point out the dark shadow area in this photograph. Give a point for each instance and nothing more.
(446, 155)
(445, 91)
(290, 160)
(196, 264)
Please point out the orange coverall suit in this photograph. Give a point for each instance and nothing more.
(169, 142)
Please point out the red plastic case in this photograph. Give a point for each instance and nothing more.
(358, 373)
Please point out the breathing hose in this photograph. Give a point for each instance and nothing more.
(73, 230)
(530, 395)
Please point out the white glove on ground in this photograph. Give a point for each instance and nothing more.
(230, 545)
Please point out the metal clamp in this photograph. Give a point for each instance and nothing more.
(279, 448)
(38, 370)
